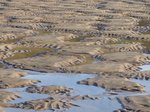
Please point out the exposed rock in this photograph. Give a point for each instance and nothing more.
(5, 47)
(124, 47)
(118, 32)
(16, 82)
(12, 33)
(83, 49)
(102, 67)
(81, 97)
(135, 103)
(4, 73)
(45, 104)
(52, 90)
(56, 21)
(51, 103)
(130, 57)
(21, 51)
(46, 40)
(112, 83)
(8, 36)
(139, 37)
(47, 62)
(6, 96)
(141, 75)
(100, 40)
(6, 54)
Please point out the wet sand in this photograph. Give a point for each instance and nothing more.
(107, 99)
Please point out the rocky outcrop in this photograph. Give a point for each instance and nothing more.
(6, 96)
(135, 103)
(103, 67)
(102, 23)
(5, 47)
(12, 33)
(20, 51)
(111, 83)
(70, 64)
(51, 103)
(11, 79)
(6, 73)
(83, 49)
(48, 62)
(130, 57)
(100, 40)
(9, 36)
(51, 90)
(124, 47)
(46, 40)
(6, 54)
(16, 82)
(145, 37)
(141, 75)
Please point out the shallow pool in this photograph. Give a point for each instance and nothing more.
(105, 104)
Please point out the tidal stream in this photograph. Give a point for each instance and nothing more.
(106, 103)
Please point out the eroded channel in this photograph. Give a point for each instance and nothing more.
(103, 20)
(70, 80)
(106, 103)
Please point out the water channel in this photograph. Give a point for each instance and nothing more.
(106, 103)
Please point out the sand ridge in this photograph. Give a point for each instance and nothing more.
(77, 36)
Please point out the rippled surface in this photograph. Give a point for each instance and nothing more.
(145, 67)
(107, 103)
(69, 80)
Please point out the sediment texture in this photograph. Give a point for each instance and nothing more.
(52, 103)
(6, 96)
(135, 103)
(114, 84)
(72, 36)
(51, 90)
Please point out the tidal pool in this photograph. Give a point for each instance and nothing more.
(104, 104)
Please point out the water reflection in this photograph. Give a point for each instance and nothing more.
(70, 80)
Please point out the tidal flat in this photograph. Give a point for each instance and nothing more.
(74, 56)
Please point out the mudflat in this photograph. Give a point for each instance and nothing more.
(107, 38)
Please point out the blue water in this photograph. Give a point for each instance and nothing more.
(104, 104)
